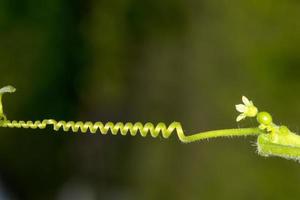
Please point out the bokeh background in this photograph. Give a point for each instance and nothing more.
(131, 60)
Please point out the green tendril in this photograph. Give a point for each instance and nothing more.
(272, 140)
(131, 129)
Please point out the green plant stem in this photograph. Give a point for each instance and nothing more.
(222, 133)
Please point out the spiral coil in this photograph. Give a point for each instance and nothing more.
(115, 128)
(121, 128)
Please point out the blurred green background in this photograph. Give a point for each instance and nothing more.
(130, 60)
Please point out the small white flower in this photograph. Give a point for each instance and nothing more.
(247, 109)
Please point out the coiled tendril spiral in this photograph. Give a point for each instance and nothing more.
(124, 129)
(128, 128)
(114, 128)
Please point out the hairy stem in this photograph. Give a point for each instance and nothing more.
(222, 133)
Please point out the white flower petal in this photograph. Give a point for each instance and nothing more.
(240, 107)
(240, 117)
(246, 101)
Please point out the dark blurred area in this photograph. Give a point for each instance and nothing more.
(129, 60)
